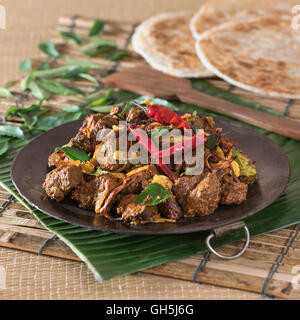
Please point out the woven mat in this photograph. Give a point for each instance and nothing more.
(58, 278)
(32, 277)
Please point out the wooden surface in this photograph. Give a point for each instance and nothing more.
(147, 81)
(278, 251)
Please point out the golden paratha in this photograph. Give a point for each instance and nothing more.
(166, 43)
(217, 12)
(261, 55)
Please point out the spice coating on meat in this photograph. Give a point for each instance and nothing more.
(61, 181)
(136, 115)
(55, 157)
(115, 110)
(108, 182)
(86, 139)
(140, 180)
(233, 192)
(204, 198)
(134, 213)
(84, 194)
(93, 193)
(183, 186)
(170, 209)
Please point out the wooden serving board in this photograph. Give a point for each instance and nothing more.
(269, 266)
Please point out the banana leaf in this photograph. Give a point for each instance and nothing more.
(109, 255)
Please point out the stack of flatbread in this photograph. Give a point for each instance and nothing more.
(252, 44)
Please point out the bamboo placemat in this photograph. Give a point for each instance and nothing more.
(265, 268)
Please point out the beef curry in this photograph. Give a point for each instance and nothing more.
(155, 193)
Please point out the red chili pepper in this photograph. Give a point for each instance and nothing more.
(166, 116)
(143, 139)
(189, 143)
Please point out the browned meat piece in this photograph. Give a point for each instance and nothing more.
(92, 194)
(56, 157)
(204, 198)
(221, 173)
(86, 138)
(105, 186)
(84, 194)
(136, 115)
(248, 179)
(61, 181)
(82, 139)
(115, 110)
(107, 121)
(139, 181)
(202, 122)
(234, 192)
(124, 202)
(136, 213)
(206, 123)
(109, 156)
(183, 186)
(149, 126)
(170, 209)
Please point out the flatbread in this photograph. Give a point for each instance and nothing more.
(217, 12)
(261, 55)
(166, 43)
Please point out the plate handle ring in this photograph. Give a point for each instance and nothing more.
(215, 234)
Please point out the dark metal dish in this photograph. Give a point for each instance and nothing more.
(29, 170)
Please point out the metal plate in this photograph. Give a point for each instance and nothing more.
(30, 168)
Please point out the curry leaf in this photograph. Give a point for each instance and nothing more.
(88, 77)
(30, 114)
(49, 48)
(75, 154)
(26, 65)
(56, 119)
(153, 195)
(72, 108)
(98, 46)
(212, 141)
(102, 100)
(59, 88)
(9, 84)
(44, 66)
(38, 91)
(97, 28)
(115, 56)
(52, 73)
(74, 73)
(5, 93)
(26, 81)
(11, 131)
(49, 122)
(82, 63)
(3, 147)
(77, 38)
(102, 109)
